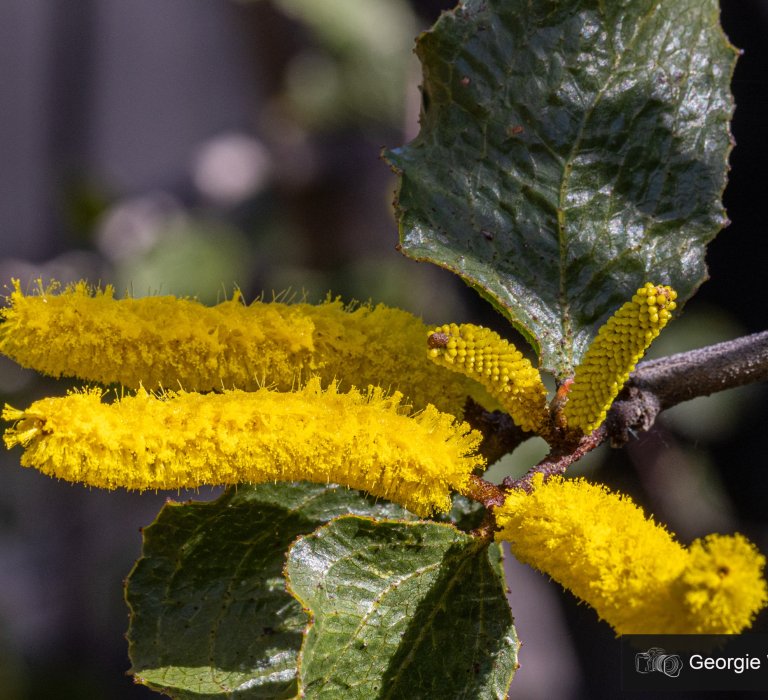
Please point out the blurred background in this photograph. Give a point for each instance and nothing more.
(187, 146)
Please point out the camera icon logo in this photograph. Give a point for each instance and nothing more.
(656, 659)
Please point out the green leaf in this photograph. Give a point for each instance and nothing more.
(402, 610)
(570, 150)
(210, 617)
(465, 514)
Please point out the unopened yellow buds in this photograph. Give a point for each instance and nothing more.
(483, 355)
(601, 547)
(179, 343)
(613, 354)
(184, 440)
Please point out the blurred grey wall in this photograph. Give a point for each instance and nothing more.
(120, 91)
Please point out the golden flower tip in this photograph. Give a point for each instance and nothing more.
(639, 579)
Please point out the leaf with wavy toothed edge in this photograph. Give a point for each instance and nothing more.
(570, 150)
(399, 609)
(210, 617)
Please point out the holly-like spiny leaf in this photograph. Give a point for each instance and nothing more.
(570, 150)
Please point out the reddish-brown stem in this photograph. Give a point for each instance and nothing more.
(484, 492)
(490, 496)
(559, 459)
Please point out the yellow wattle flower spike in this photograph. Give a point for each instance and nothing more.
(486, 357)
(169, 342)
(613, 354)
(601, 547)
(185, 440)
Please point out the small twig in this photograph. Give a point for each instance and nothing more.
(490, 496)
(559, 459)
(484, 492)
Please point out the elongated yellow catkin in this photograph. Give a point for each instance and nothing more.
(486, 357)
(601, 547)
(613, 354)
(169, 342)
(185, 440)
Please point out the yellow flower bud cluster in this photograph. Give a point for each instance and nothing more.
(601, 547)
(184, 440)
(613, 354)
(168, 342)
(485, 356)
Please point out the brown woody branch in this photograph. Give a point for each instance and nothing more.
(559, 459)
(653, 387)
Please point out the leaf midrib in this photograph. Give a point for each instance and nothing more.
(566, 324)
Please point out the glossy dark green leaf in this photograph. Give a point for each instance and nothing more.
(402, 610)
(570, 150)
(210, 617)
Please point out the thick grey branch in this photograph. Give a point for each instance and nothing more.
(668, 381)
